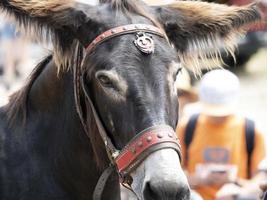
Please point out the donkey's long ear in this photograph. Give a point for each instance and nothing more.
(56, 20)
(199, 30)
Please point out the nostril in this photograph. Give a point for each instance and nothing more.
(163, 190)
(183, 193)
(150, 193)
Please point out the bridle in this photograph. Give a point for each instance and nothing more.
(147, 141)
(144, 143)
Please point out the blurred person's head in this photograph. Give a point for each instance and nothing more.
(218, 93)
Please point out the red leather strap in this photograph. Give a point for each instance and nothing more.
(121, 30)
(129, 157)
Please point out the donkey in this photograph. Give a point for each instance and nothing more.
(105, 93)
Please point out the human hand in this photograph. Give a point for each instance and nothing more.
(263, 187)
(215, 174)
(217, 178)
(228, 192)
(208, 178)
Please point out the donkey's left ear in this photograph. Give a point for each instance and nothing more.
(199, 30)
(58, 20)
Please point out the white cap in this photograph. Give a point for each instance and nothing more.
(219, 92)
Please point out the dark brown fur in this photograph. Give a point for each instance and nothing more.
(205, 14)
(56, 12)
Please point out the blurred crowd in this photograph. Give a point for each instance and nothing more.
(13, 56)
(15, 52)
(18, 56)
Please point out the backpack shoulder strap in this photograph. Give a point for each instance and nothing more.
(189, 134)
(250, 135)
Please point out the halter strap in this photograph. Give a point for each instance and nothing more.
(110, 148)
(146, 142)
(122, 30)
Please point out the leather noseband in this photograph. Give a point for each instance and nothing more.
(145, 143)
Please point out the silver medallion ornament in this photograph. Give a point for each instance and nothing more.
(144, 43)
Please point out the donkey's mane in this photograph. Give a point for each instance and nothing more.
(17, 105)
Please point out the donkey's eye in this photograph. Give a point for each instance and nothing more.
(104, 80)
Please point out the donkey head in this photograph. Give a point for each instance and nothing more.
(132, 90)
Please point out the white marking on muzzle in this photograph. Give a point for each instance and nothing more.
(161, 167)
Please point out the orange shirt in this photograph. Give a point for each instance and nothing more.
(220, 143)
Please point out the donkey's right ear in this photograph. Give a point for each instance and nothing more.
(199, 30)
(58, 20)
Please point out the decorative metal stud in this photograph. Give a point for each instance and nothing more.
(149, 139)
(160, 135)
(102, 37)
(124, 28)
(137, 27)
(113, 31)
(133, 150)
(140, 144)
(144, 43)
(115, 154)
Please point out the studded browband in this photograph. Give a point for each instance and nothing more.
(143, 42)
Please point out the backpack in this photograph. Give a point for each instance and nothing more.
(249, 132)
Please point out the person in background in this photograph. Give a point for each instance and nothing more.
(221, 150)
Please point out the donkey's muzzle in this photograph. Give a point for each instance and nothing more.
(145, 143)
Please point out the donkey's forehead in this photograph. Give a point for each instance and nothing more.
(108, 16)
(120, 52)
(162, 69)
